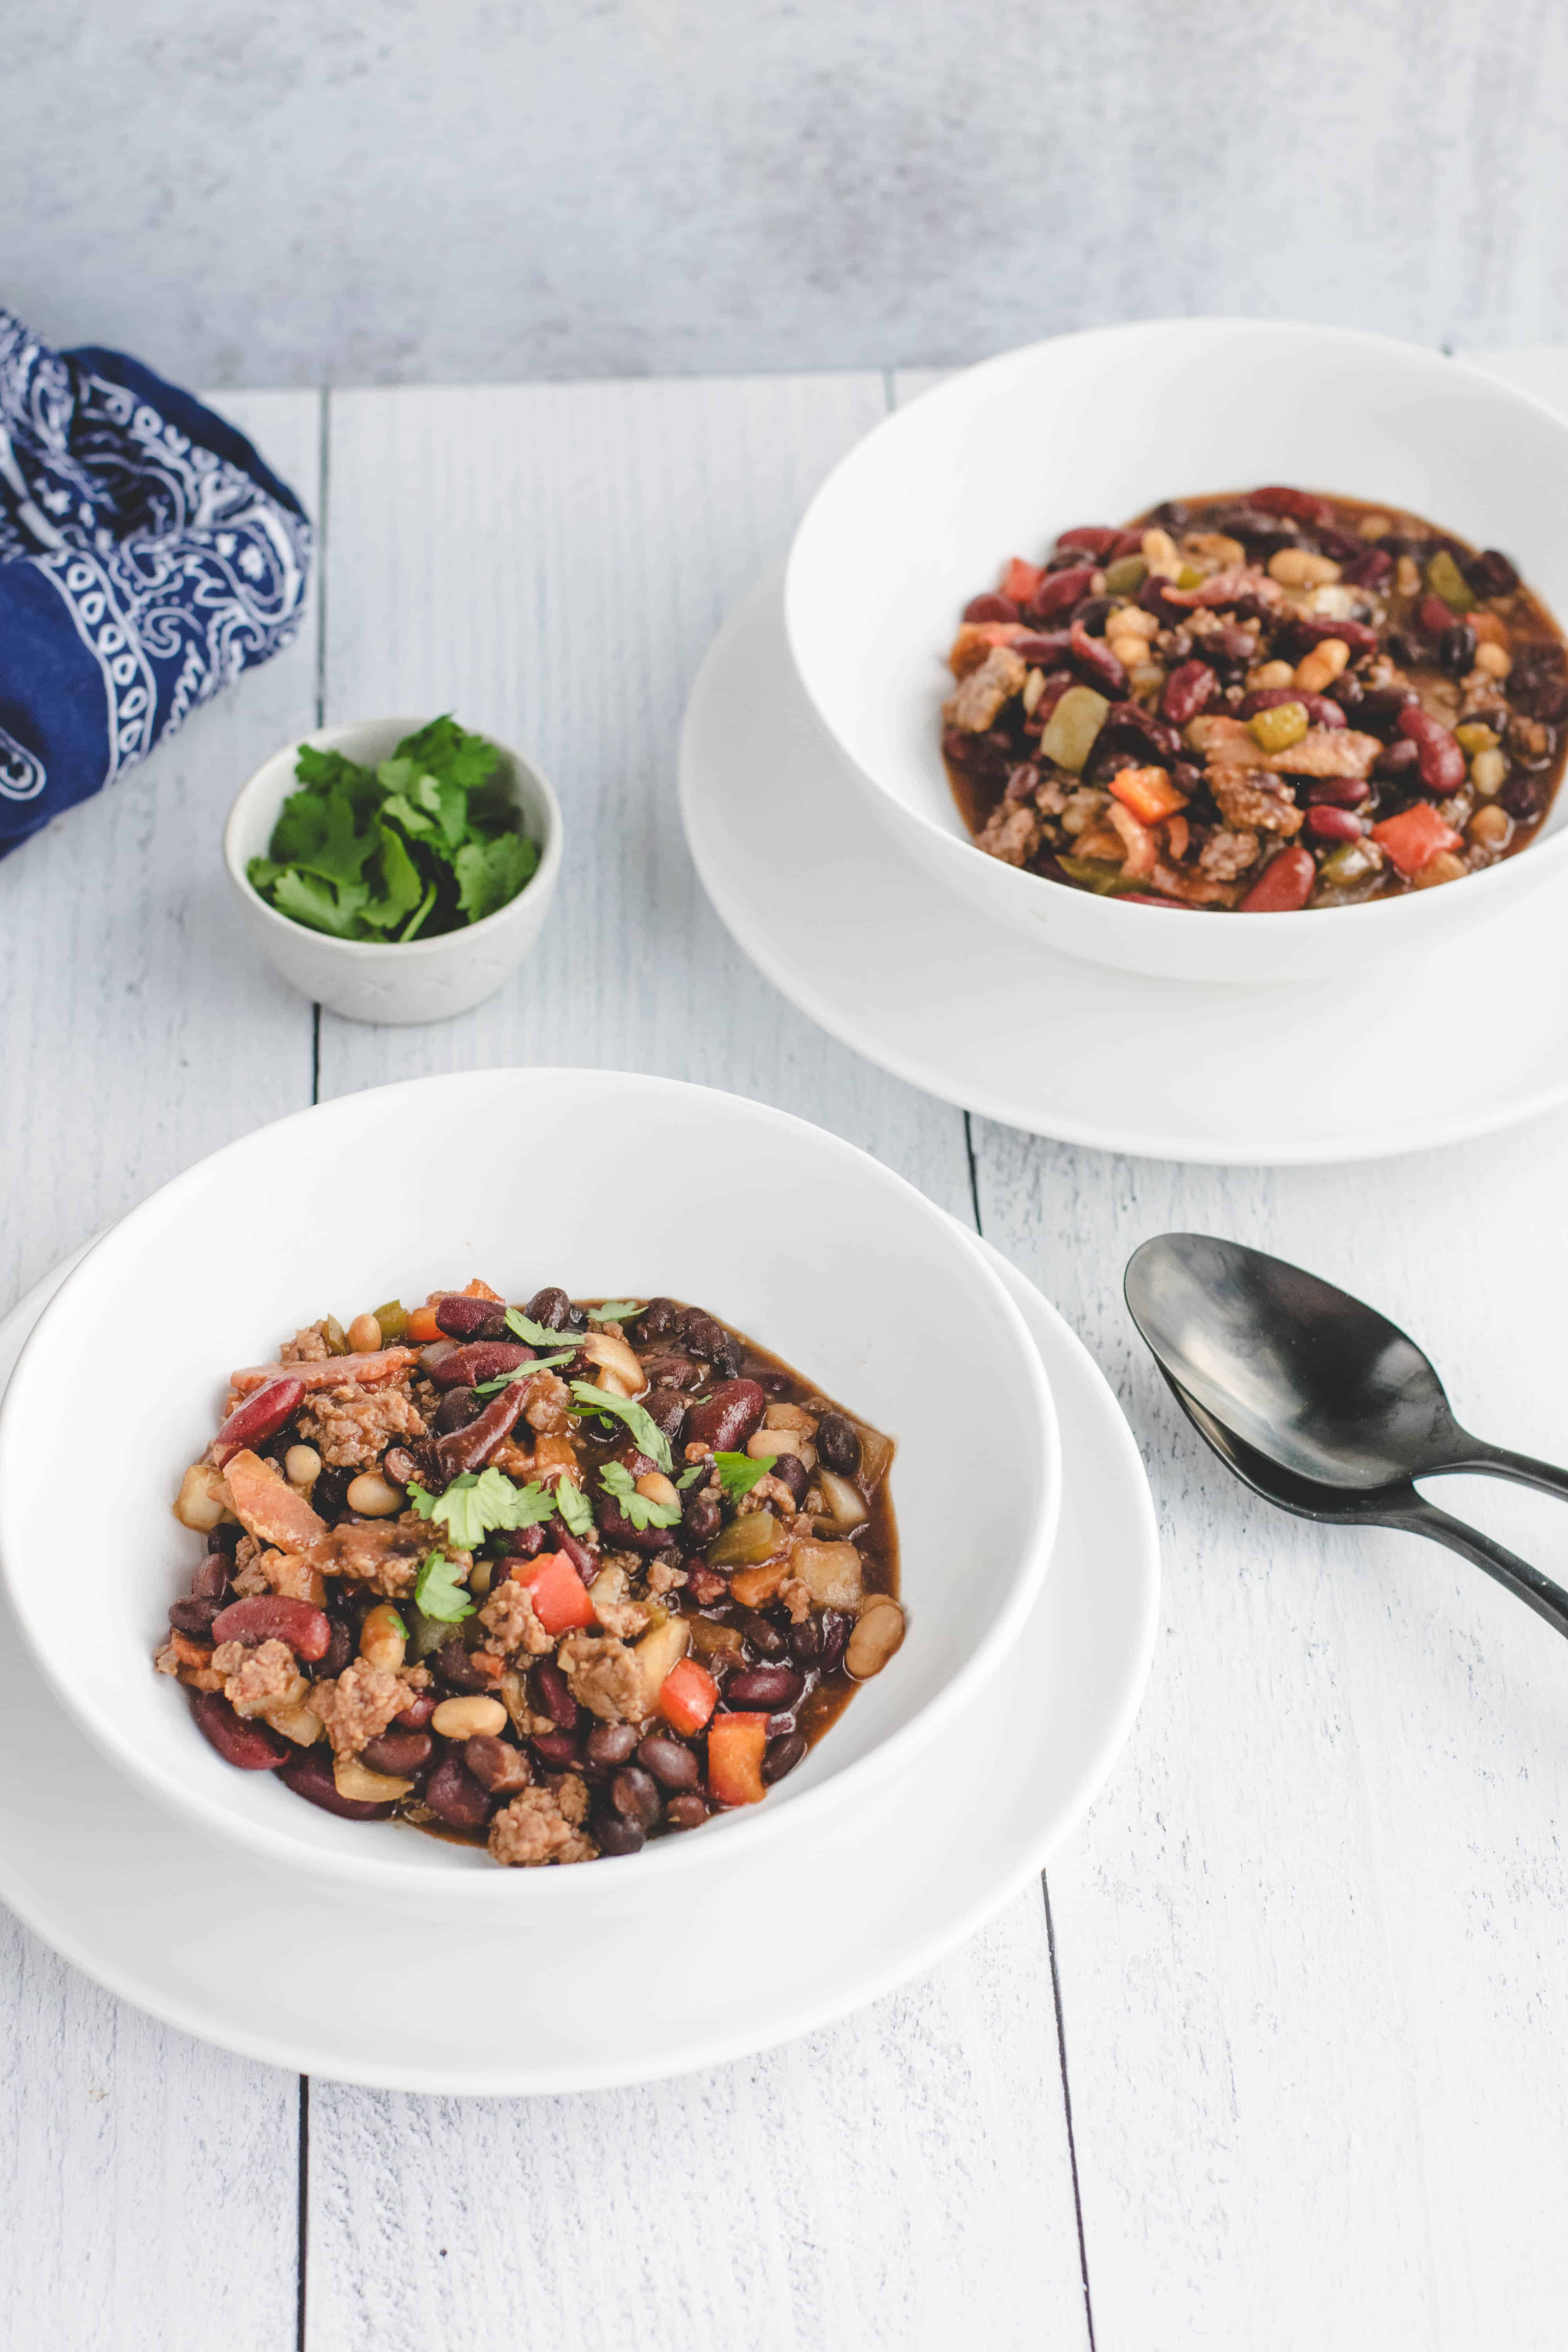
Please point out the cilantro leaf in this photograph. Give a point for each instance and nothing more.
(641, 1509)
(438, 1594)
(689, 1477)
(615, 1310)
(532, 1335)
(316, 904)
(446, 750)
(401, 885)
(489, 873)
(739, 1472)
(574, 1507)
(650, 1439)
(478, 1503)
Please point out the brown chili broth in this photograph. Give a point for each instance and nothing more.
(1529, 620)
(877, 1542)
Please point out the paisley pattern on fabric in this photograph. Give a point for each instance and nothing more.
(147, 557)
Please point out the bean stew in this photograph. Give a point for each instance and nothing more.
(1258, 701)
(554, 1579)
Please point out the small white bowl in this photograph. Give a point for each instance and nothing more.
(1094, 428)
(809, 1245)
(427, 979)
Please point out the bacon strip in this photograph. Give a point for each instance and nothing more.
(367, 1372)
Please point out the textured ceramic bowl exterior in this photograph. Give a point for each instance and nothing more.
(427, 979)
(811, 1246)
(1096, 427)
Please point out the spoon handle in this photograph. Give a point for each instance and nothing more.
(1501, 1462)
(1526, 1584)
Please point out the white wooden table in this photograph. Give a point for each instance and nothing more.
(1276, 2057)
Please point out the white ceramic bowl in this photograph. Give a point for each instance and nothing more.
(1094, 428)
(611, 1185)
(427, 979)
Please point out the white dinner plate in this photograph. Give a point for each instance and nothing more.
(877, 953)
(286, 1968)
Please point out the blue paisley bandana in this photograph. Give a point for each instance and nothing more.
(147, 556)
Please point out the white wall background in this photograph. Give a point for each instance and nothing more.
(384, 191)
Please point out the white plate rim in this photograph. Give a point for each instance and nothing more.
(1098, 1135)
(1086, 1380)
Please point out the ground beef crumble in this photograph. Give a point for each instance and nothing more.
(540, 1826)
(603, 1676)
(511, 1624)
(358, 1705)
(350, 1427)
(259, 1679)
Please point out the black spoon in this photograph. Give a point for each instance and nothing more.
(1318, 1402)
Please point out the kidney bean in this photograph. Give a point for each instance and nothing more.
(1441, 760)
(249, 1746)
(634, 1794)
(1096, 664)
(1187, 691)
(195, 1617)
(1128, 723)
(480, 1360)
(766, 1638)
(1300, 506)
(457, 1408)
(342, 1641)
(725, 1420)
(1489, 573)
(470, 1448)
(1432, 617)
(309, 1772)
(1058, 592)
(272, 1617)
(671, 1762)
(765, 1689)
(991, 608)
(455, 1669)
(805, 1641)
(838, 1444)
(417, 1714)
(1043, 652)
(1093, 614)
(1304, 632)
(782, 1755)
(454, 1797)
(552, 1696)
(1398, 763)
(1096, 539)
(1326, 824)
(556, 1750)
(1373, 568)
(400, 1752)
(462, 1318)
(1338, 791)
(262, 1415)
(687, 1812)
(1380, 707)
(209, 1578)
(616, 1834)
(496, 1765)
(1284, 885)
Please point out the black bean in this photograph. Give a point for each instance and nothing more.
(328, 1496)
(1456, 648)
(1093, 611)
(1380, 707)
(340, 1647)
(1397, 763)
(834, 1640)
(556, 1750)
(210, 1575)
(838, 1444)
(195, 1617)
(701, 1516)
(791, 1472)
(764, 1637)
(1520, 796)
(616, 1834)
(635, 1793)
(805, 1641)
(224, 1537)
(457, 1408)
(552, 1696)
(686, 1813)
(549, 1306)
(610, 1743)
(656, 1319)
(783, 1756)
(669, 1760)
(496, 1765)
(454, 1797)
(455, 1669)
(765, 1687)
(1489, 573)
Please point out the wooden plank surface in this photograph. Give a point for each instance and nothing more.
(148, 2183)
(552, 562)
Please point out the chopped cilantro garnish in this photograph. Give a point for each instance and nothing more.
(438, 1594)
(480, 1502)
(532, 1335)
(689, 1477)
(617, 1481)
(426, 843)
(615, 1310)
(575, 1506)
(650, 1439)
(525, 1372)
(739, 1472)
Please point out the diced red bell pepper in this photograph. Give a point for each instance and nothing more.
(422, 1328)
(1148, 792)
(1414, 836)
(736, 1744)
(687, 1697)
(561, 1601)
(1020, 580)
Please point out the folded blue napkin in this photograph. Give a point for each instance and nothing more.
(147, 556)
